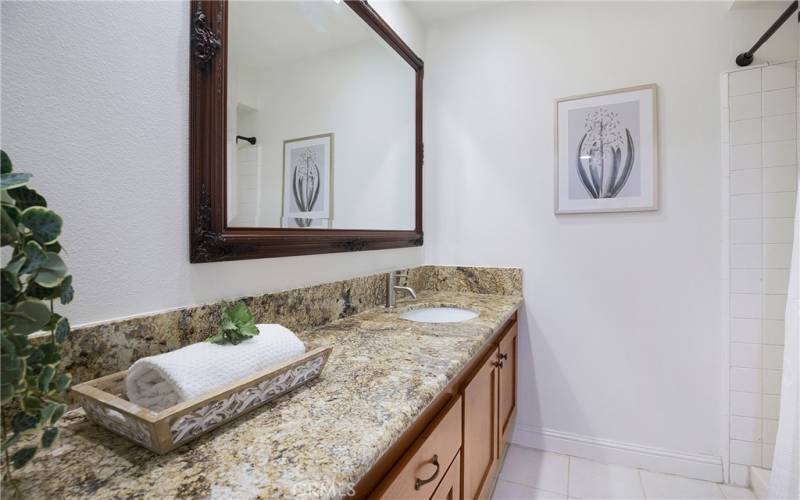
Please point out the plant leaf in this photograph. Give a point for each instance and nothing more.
(52, 272)
(43, 223)
(9, 287)
(217, 339)
(26, 197)
(240, 314)
(27, 317)
(10, 284)
(5, 163)
(249, 329)
(14, 179)
(68, 293)
(31, 403)
(10, 441)
(47, 412)
(8, 227)
(236, 324)
(61, 331)
(35, 257)
(15, 266)
(48, 372)
(34, 360)
(7, 346)
(6, 392)
(63, 382)
(7, 199)
(227, 324)
(50, 355)
(59, 411)
(12, 371)
(22, 457)
(49, 436)
(22, 422)
(19, 341)
(40, 292)
(54, 247)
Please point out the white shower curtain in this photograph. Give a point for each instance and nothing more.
(784, 483)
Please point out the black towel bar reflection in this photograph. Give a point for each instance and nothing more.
(251, 140)
(745, 58)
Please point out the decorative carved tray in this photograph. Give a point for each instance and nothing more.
(104, 401)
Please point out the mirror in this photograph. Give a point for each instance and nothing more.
(320, 120)
(305, 131)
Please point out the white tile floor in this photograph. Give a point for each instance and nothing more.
(535, 474)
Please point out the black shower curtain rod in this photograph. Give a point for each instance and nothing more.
(745, 58)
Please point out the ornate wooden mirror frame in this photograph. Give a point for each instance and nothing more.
(211, 238)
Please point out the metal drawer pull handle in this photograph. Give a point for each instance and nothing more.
(498, 364)
(502, 356)
(418, 484)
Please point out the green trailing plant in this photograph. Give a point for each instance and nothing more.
(32, 278)
(236, 324)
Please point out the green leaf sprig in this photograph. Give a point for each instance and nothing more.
(32, 389)
(235, 325)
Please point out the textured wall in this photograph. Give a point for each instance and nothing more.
(95, 103)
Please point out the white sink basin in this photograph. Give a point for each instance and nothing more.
(439, 315)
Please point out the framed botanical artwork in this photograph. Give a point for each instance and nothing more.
(302, 223)
(607, 152)
(307, 181)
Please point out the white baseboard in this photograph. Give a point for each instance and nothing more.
(706, 467)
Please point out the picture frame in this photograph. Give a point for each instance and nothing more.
(308, 177)
(299, 223)
(606, 151)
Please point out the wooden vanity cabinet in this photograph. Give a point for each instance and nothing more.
(468, 436)
(481, 431)
(490, 405)
(507, 381)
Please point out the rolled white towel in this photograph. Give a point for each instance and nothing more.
(159, 382)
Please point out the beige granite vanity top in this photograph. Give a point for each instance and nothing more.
(316, 442)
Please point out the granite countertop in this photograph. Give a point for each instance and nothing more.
(317, 441)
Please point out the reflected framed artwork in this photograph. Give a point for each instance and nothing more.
(606, 152)
(307, 171)
(304, 223)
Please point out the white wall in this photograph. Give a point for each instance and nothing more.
(364, 94)
(621, 349)
(95, 103)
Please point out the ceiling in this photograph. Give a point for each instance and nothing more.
(437, 10)
(758, 4)
(265, 33)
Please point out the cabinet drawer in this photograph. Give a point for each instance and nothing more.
(417, 474)
(450, 487)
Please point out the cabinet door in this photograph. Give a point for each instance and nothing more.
(507, 393)
(450, 487)
(480, 429)
(416, 475)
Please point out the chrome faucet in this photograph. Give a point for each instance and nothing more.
(392, 287)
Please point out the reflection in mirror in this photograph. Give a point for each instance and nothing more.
(320, 120)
